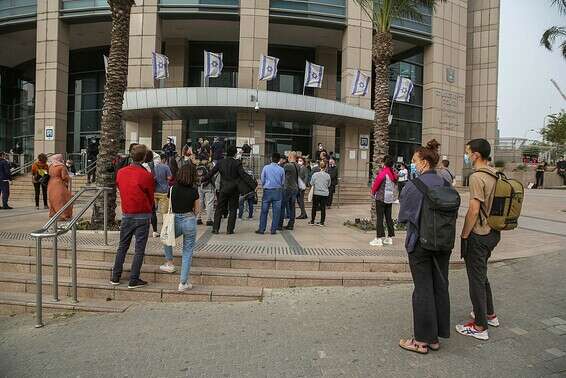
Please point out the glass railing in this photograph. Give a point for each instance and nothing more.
(83, 5)
(13, 9)
(329, 10)
(422, 25)
(184, 5)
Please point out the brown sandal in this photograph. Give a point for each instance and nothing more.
(412, 346)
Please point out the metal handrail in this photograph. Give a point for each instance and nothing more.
(25, 167)
(45, 232)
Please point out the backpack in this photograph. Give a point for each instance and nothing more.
(391, 191)
(507, 203)
(439, 211)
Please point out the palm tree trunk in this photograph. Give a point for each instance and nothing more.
(382, 52)
(111, 129)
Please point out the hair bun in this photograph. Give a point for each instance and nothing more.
(433, 145)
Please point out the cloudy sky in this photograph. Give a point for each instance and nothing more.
(525, 68)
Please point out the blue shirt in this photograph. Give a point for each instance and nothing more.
(161, 172)
(272, 176)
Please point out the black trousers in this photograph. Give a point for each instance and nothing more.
(316, 202)
(478, 253)
(331, 192)
(382, 210)
(431, 299)
(37, 187)
(226, 202)
(5, 192)
(301, 201)
(540, 179)
(129, 228)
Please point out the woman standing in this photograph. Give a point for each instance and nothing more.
(185, 205)
(320, 183)
(429, 269)
(304, 176)
(39, 178)
(403, 177)
(58, 189)
(384, 191)
(541, 168)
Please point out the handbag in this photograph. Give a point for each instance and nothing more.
(311, 193)
(43, 180)
(168, 229)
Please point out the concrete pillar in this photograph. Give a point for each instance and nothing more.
(254, 31)
(52, 78)
(177, 51)
(356, 54)
(481, 69)
(328, 57)
(145, 38)
(444, 83)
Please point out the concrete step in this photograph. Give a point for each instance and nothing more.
(220, 260)
(19, 303)
(153, 292)
(209, 276)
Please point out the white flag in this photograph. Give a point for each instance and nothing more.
(360, 84)
(160, 65)
(268, 67)
(212, 64)
(403, 89)
(313, 75)
(105, 63)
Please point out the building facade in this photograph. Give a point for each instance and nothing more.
(52, 76)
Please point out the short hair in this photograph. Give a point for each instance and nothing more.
(388, 161)
(445, 163)
(162, 156)
(42, 158)
(187, 175)
(139, 152)
(132, 145)
(275, 157)
(429, 153)
(481, 146)
(322, 165)
(293, 154)
(148, 156)
(231, 151)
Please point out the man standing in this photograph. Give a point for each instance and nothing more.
(169, 149)
(444, 172)
(231, 171)
(91, 156)
(5, 178)
(163, 177)
(206, 193)
(217, 150)
(272, 181)
(137, 187)
(478, 241)
(290, 192)
(332, 170)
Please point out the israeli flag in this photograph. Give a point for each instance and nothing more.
(360, 84)
(313, 75)
(160, 65)
(212, 64)
(105, 63)
(403, 89)
(268, 67)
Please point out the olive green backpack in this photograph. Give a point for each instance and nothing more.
(507, 202)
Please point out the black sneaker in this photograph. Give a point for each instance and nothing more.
(8, 208)
(199, 221)
(259, 232)
(215, 232)
(302, 217)
(115, 281)
(136, 283)
(290, 228)
(209, 223)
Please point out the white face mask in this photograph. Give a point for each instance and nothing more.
(300, 162)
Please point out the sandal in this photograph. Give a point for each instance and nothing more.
(412, 346)
(434, 346)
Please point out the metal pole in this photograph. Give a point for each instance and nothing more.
(55, 267)
(38, 286)
(105, 217)
(74, 263)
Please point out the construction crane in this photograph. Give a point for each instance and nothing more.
(558, 89)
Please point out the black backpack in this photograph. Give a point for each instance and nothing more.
(439, 211)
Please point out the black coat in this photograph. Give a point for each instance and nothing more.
(217, 150)
(231, 171)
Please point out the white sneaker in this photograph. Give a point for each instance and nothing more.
(156, 234)
(469, 329)
(491, 321)
(388, 241)
(377, 242)
(184, 287)
(168, 268)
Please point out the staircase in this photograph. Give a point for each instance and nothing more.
(22, 190)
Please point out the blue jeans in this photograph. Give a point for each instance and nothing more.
(270, 197)
(185, 225)
(288, 206)
(250, 201)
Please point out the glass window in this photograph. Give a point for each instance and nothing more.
(282, 135)
(209, 128)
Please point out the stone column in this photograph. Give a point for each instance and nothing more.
(328, 57)
(177, 52)
(356, 54)
(254, 30)
(145, 38)
(52, 78)
(481, 69)
(445, 82)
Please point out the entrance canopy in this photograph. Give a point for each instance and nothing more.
(198, 102)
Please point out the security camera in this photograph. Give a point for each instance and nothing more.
(256, 107)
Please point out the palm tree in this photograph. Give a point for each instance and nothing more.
(111, 128)
(550, 36)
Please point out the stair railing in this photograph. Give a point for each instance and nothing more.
(51, 230)
(24, 168)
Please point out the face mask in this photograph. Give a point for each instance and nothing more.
(300, 162)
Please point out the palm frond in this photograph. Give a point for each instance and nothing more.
(561, 4)
(550, 35)
(563, 48)
(382, 12)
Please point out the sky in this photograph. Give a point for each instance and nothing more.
(525, 93)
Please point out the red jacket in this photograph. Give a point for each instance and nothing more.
(136, 186)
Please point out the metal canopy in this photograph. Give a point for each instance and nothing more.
(198, 102)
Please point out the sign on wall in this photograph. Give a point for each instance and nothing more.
(364, 141)
(49, 133)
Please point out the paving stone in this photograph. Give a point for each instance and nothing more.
(558, 320)
(556, 352)
(518, 331)
(549, 322)
(556, 331)
(562, 327)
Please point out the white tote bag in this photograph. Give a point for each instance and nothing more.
(311, 193)
(168, 229)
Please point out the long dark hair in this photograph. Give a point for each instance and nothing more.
(187, 175)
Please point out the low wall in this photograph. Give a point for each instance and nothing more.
(551, 179)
